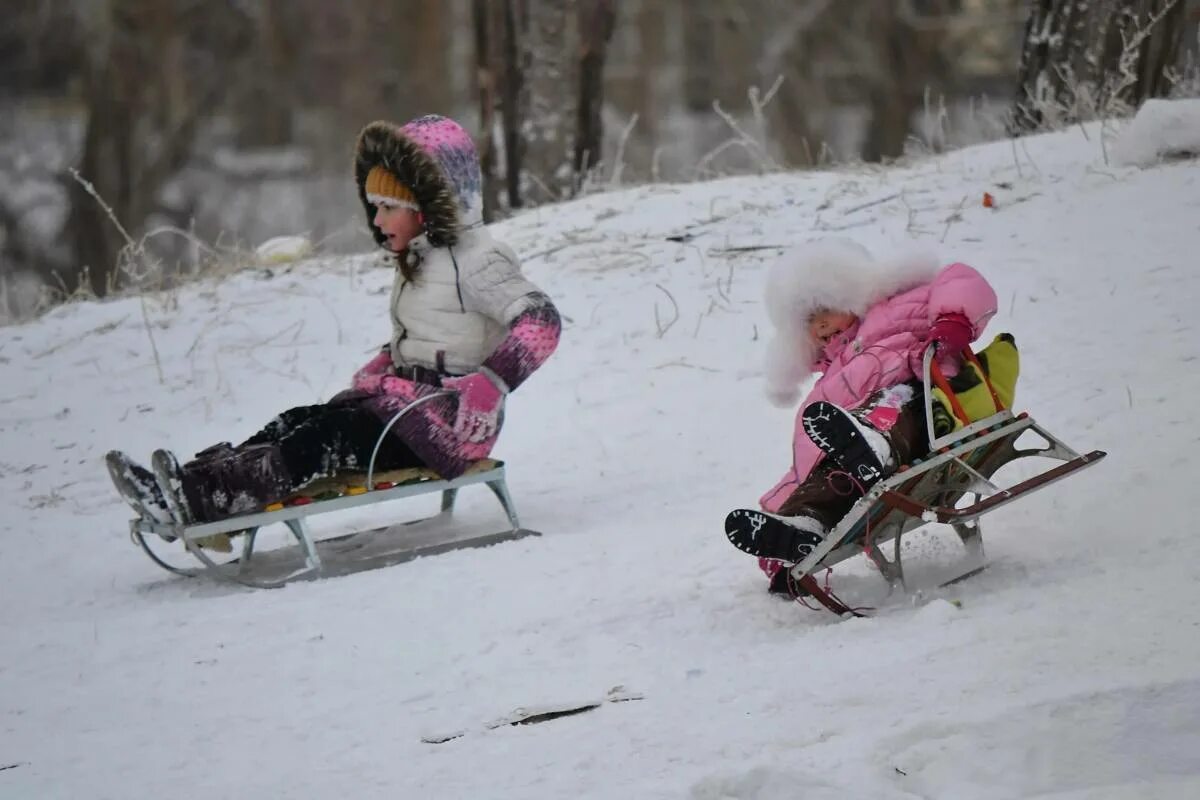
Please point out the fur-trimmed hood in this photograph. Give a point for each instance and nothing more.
(435, 158)
(835, 274)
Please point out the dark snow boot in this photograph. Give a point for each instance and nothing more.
(170, 478)
(787, 539)
(246, 480)
(170, 481)
(137, 487)
(218, 450)
(858, 449)
(783, 585)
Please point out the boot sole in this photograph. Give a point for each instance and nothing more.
(765, 536)
(125, 487)
(165, 467)
(831, 429)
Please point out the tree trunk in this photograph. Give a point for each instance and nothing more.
(549, 75)
(910, 58)
(699, 44)
(514, 98)
(264, 107)
(651, 61)
(418, 70)
(142, 117)
(1084, 60)
(110, 160)
(597, 18)
(484, 26)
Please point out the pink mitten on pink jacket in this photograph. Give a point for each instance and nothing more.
(952, 333)
(479, 404)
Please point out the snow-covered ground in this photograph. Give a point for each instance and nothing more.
(1071, 669)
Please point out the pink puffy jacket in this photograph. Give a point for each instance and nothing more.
(882, 349)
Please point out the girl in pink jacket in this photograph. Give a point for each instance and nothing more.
(863, 325)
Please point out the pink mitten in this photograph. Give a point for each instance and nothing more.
(952, 333)
(479, 404)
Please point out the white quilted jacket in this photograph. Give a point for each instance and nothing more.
(458, 308)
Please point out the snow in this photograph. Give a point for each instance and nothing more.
(1160, 129)
(1069, 669)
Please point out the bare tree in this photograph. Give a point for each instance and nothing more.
(596, 21)
(699, 43)
(792, 42)
(266, 97)
(642, 80)
(514, 102)
(161, 68)
(1085, 59)
(549, 75)
(415, 51)
(908, 38)
(486, 28)
(39, 47)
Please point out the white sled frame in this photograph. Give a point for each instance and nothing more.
(930, 489)
(295, 517)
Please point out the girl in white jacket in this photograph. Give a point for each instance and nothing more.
(463, 318)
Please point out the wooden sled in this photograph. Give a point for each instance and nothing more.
(958, 469)
(339, 555)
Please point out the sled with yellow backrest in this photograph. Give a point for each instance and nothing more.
(213, 543)
(972, 432)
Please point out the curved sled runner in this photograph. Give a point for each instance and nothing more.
(958, 468)
(339, 555)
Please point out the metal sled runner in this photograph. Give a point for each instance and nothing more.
(958, 468)
(337, 555)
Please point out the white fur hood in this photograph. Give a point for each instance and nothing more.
(836, 274)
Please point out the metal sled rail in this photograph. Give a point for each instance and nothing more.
(345, 554)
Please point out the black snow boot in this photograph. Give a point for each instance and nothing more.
(245, 481)
(782, 585)
(218, 450)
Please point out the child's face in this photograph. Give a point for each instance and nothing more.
(823, 325)
(399, 225)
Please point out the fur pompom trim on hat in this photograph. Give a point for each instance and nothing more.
(827, 274)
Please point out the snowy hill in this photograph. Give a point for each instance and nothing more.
(1071, 670)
